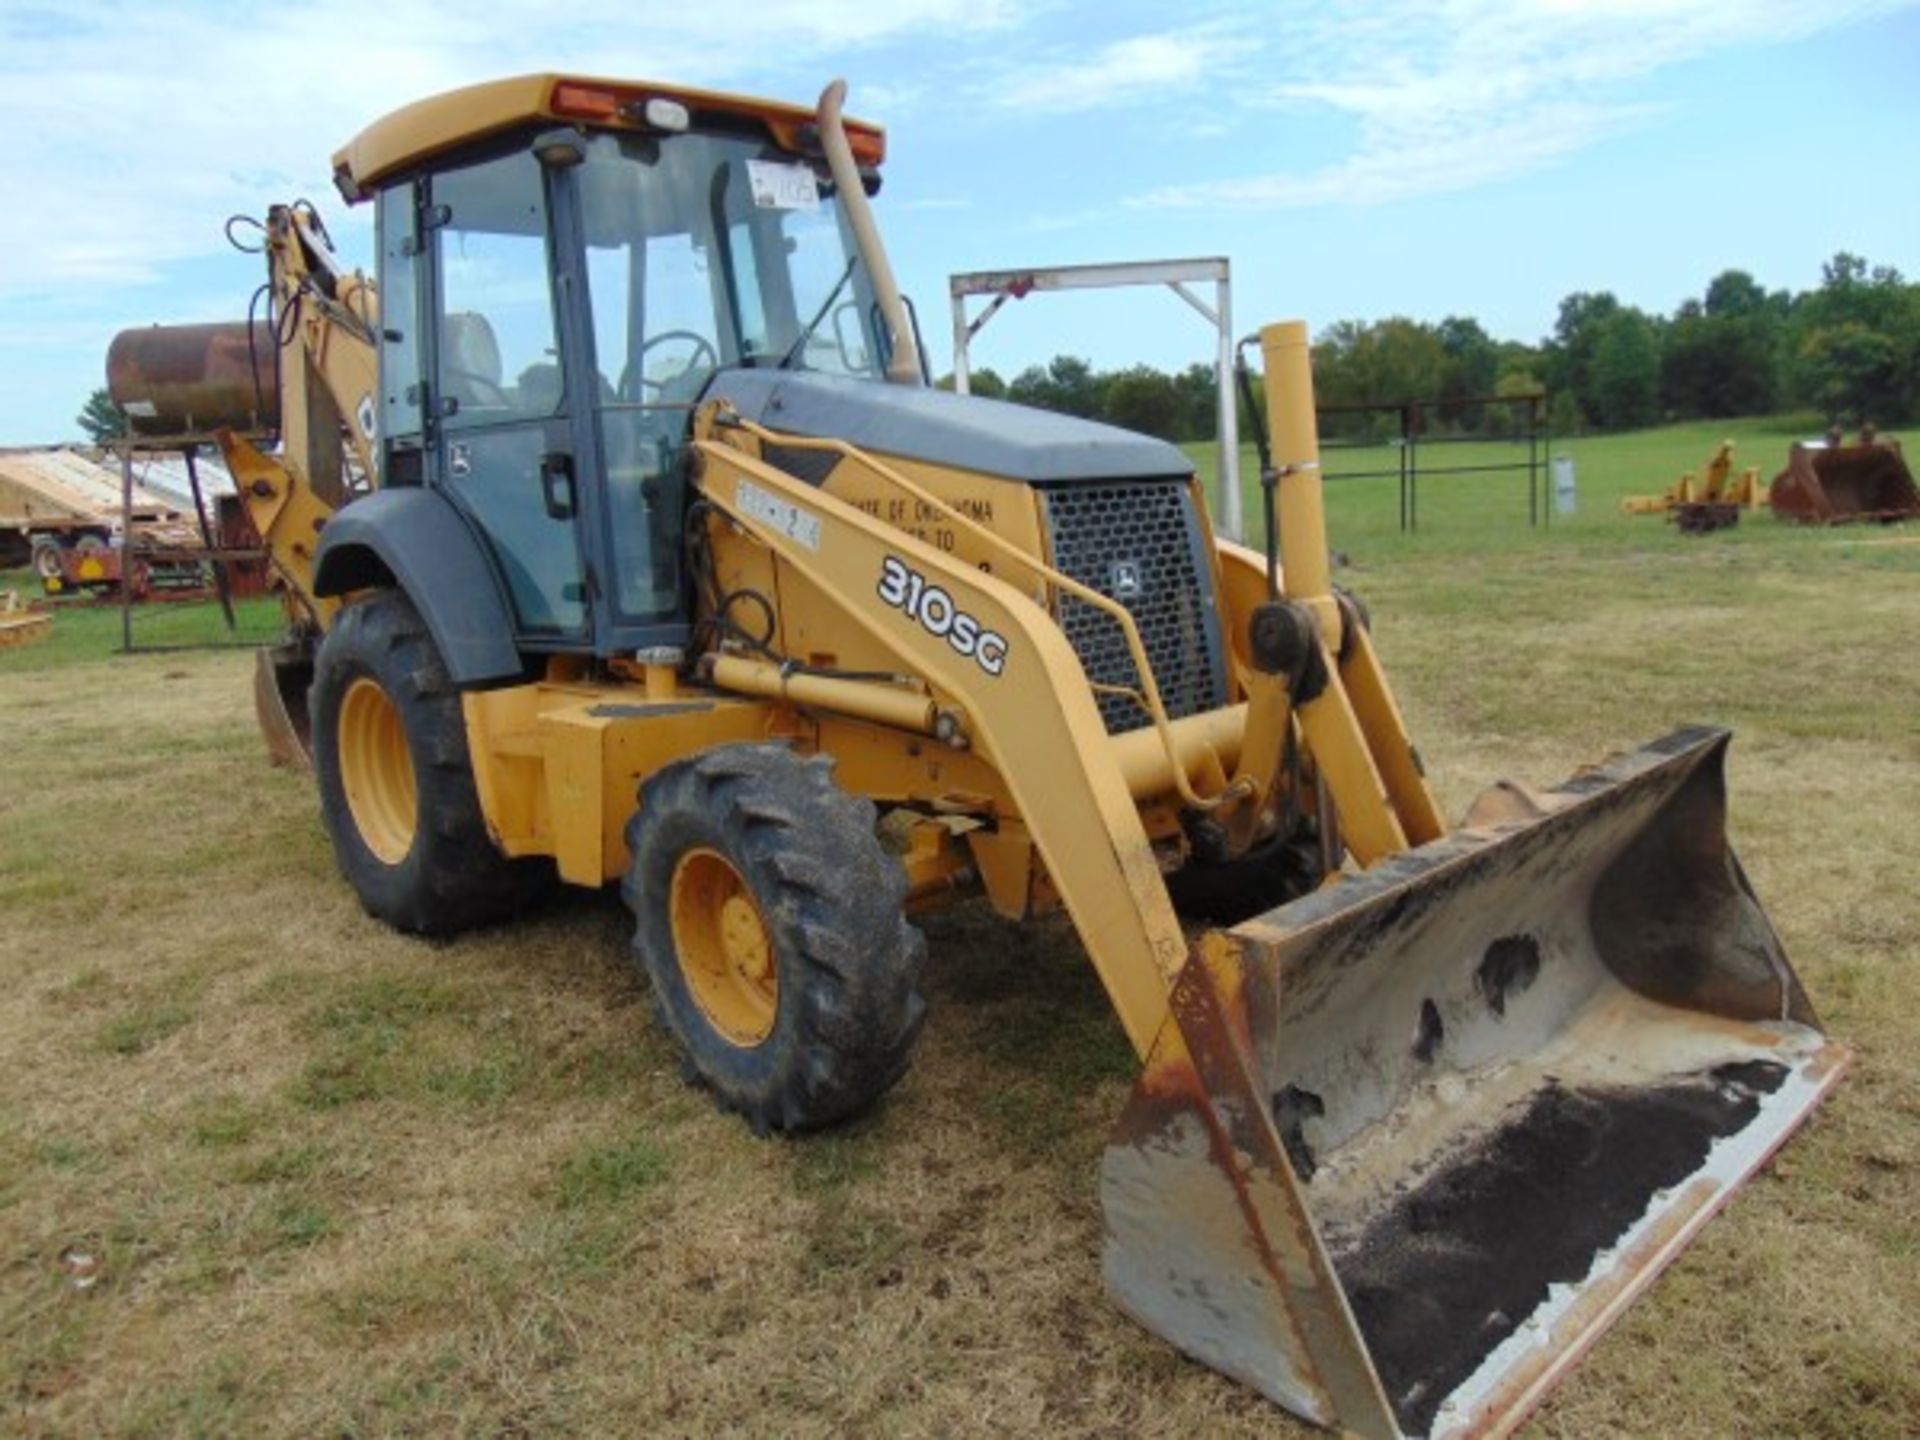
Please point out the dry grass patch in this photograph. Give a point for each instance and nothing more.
(342, 1182)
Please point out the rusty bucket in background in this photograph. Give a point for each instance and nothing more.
(1833, 483)
(1410, 1143)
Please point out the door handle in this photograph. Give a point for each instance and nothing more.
(556, 484)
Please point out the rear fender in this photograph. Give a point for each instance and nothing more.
(416, 541)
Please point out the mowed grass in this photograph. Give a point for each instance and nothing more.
(327, 1180)
(85, 628)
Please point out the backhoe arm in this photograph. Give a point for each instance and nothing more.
(325, 325)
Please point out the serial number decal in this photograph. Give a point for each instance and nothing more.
(798, 525)
(907, 589)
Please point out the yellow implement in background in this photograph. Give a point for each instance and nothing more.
(1713, 484)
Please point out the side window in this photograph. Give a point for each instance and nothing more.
(399, 316)
(680, 299)
(499, 359)
(827, 285)
(754, 336)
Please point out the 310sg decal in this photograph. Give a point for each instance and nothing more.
(907, 589)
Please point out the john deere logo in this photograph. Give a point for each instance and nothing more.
(1123, 579)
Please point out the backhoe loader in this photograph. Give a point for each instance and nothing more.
(657, 562)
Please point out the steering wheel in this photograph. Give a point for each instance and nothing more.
(635, 378)
(479, 387)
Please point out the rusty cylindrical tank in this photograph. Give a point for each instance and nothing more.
(185, 380)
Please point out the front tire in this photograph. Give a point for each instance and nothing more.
(396, 780)
(771, 924)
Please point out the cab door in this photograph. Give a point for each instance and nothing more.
(504, 444)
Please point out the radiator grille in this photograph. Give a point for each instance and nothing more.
(1138, 542)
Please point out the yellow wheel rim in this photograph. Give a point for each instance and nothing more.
(723, 946)
(376, 770)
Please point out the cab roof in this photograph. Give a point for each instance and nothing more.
(416, 133)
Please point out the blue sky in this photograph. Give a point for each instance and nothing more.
(1417, 157)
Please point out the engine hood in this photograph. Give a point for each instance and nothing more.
(991, 437)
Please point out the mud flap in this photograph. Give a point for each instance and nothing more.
(1409, 1144)
(281, 676)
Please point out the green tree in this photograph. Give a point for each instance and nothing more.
(1385, 362)
(1853, 374)
(1576, 335)
(1199, 402)
(1624, 378)
(1854, 343)
(1470, 372)
(1723, 357)
(983, 382)
(1067, 385)
(1504, 420)
(100, 419)
(1142, 399)
(986, 383)
(1564, 417)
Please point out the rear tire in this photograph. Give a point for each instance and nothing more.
(396, 780)
(771, 924)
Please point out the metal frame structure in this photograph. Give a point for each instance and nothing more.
(1176, 275)
(1412, 416)
(220, 558)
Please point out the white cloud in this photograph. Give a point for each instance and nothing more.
(1446, 95)
(1139, 67)
(134, 130)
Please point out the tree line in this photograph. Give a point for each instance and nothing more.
(1848, 349)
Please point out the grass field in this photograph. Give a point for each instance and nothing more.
(330, 1181)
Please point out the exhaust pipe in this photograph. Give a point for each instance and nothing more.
(903, 360)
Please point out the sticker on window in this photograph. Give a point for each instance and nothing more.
(783, 187)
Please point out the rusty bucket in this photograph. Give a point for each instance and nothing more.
(1410, 1143)
(1832, 484)
(281, 676)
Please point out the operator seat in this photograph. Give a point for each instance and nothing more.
(470, 370)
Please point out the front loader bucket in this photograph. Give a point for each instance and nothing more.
(1409, 1144)
(1832, 484)
(281, 675)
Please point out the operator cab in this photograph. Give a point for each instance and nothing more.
(563, 267)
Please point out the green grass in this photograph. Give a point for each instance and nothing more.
(343, 1181)
(609, 1174)
(84, 629)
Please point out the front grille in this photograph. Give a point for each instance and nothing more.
(1139, 536)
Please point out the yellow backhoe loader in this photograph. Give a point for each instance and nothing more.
(660, 563)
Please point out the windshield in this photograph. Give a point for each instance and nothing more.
(712, 250)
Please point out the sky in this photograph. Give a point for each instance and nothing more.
(1352, 161)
